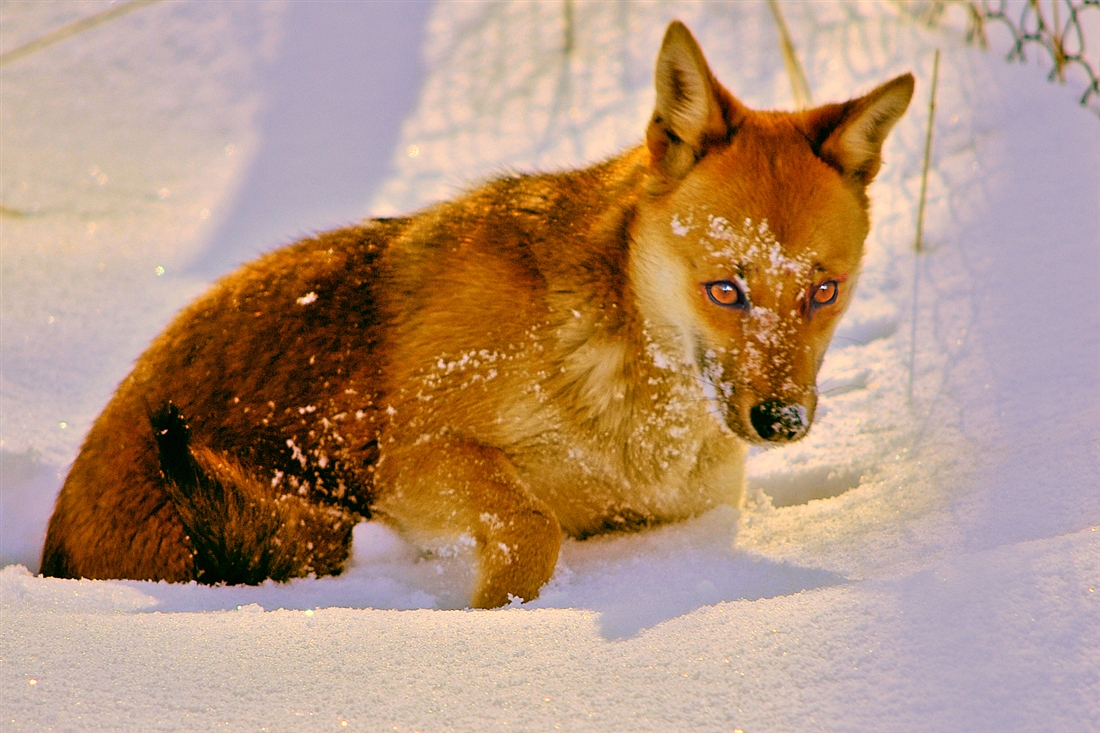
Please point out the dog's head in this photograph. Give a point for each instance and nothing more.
(747, 244)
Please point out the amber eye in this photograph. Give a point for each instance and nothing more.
(825, 293)
(727, 294)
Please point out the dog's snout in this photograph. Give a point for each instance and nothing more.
(778, 421)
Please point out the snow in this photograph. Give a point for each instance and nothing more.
(927, 558)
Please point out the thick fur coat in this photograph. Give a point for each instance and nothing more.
(566, 353)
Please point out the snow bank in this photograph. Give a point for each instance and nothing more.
(927, 558)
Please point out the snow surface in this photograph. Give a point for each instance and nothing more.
(927, 559)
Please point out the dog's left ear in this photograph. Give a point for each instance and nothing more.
(849, 136)
(693, 111)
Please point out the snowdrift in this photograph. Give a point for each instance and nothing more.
(927, 559)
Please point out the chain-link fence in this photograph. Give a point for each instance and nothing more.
(1067, 31)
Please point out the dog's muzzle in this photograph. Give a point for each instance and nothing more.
(777, 421)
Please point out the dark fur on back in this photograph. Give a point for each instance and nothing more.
(269, 398)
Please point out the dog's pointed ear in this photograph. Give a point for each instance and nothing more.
(849, 136)
(693, 111)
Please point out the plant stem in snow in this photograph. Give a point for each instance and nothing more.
(918, 244)
(67, 31)
(800, 88)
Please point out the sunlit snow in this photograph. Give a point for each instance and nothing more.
(926, 559)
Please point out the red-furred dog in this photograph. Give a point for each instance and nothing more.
(577, 352)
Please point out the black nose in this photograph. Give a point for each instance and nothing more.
(775, 420)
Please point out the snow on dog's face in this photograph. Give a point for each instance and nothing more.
(761, 289)
(747, 248)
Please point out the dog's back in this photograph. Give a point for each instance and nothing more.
(283, 373)
(246, 366)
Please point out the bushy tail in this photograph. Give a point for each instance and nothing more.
(241, 530)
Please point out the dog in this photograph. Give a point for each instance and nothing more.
(569, 353)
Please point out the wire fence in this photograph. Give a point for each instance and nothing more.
(1062, 29)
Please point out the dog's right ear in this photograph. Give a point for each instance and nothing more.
(849, 136)
(693, 111)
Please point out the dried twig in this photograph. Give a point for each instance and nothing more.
(800, 89)
(67, 31)
(918, 244)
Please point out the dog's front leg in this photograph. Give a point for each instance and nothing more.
(719, 470)
(456, 487)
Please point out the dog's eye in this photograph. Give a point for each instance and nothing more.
(825, 294)
(727, 294)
